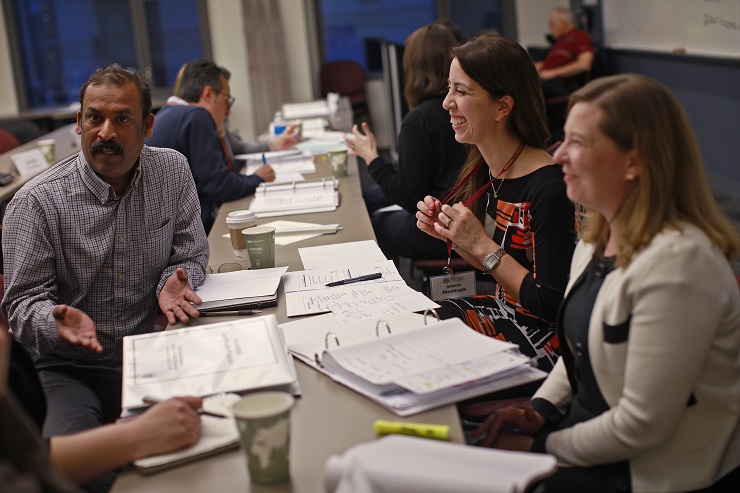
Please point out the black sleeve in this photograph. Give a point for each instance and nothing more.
(553, 224)
(212, 176)
(417, 168)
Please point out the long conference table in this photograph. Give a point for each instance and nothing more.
(67, 143)
(328, 418)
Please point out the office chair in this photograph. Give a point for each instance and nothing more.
(8, 141)
(347, 78)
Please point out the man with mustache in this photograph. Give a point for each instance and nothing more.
(95, 246)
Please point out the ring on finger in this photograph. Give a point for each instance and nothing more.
(447, 224)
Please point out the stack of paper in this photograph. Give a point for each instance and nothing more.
(404, 364)
(239, 290)
(289, 165)
(310, 109)
(419, 465)
(235, 356)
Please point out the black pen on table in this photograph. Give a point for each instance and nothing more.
(366, 277)
(201, 411)
(230, 313)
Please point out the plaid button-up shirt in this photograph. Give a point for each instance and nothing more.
(68, 239)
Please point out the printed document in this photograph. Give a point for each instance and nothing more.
(233, 356)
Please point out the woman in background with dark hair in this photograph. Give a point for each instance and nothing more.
(509, 215)
(428, 155)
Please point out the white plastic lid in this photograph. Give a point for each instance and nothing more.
(236, 217)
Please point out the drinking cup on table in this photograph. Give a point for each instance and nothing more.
(322, 159)
(47, 147)
(263, 421)
(338, 159)
(260, 241)
(237, 221)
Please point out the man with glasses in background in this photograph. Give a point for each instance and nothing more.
(197, 130)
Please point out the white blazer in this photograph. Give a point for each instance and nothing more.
(681, 302)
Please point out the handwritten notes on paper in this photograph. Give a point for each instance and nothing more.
(306, 293)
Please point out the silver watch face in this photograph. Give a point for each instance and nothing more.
(490, 261)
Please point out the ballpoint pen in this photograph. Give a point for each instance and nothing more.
(230, 313)
(367, 277)
(264, 159)
(153, 400)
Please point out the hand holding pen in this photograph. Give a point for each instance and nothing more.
(153, 400)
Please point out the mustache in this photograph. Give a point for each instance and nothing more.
(107, 145)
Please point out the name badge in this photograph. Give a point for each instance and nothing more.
(457, 285)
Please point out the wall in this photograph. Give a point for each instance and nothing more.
(531, 20)
(707, 89)
(229, 49)
(8, 104)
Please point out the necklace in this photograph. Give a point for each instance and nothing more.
(505, 170)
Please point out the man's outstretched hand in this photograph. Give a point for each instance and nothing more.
(75, 327)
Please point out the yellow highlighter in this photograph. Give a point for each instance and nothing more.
(439, 432)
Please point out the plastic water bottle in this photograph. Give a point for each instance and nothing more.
(279, 123)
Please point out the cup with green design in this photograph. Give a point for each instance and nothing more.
(263, 421)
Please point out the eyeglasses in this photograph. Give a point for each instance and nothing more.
(231, 99)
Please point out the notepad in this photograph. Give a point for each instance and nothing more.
(217, 435)
(240, 290)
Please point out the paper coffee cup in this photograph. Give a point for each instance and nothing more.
(263, 421)
(338, 160)
(237, 221)
(47, 147)
(260, 241)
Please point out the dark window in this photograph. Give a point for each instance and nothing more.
(356, 29)
(59, 43)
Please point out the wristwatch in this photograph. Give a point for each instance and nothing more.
(492, 260)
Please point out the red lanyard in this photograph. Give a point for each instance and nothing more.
(478, 193)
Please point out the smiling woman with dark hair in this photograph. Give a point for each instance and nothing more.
(509, 216)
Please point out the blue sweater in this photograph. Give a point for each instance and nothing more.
(191, 131)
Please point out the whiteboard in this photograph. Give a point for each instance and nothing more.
(696, 27)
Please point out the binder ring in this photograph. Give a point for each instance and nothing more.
(294, 186)
(326, 339)
(323, 183)
(433, 312)
(377, 326)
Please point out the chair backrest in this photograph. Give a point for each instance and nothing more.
(8, 141)
(347, 78)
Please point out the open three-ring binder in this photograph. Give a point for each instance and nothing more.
(279, 199)
(409, 363)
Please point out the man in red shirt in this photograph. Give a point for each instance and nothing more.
(571, 55)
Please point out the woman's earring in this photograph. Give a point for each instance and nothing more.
(630, 176)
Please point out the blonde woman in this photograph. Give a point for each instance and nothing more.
(646, 395)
